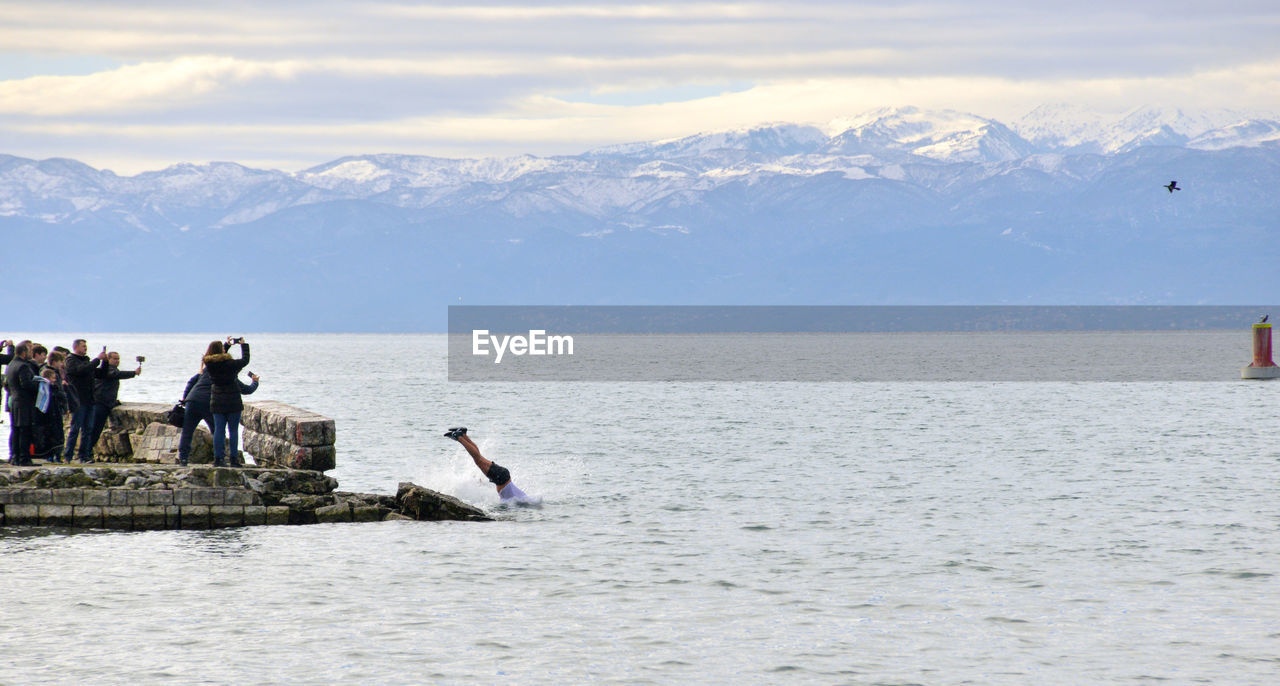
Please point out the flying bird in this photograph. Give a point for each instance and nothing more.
(1173, 186)
(1264, 319)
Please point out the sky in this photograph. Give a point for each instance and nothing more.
(135, 86)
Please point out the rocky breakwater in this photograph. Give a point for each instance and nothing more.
(141, 497)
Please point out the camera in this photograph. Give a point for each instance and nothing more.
(141, 359)
(237, 340)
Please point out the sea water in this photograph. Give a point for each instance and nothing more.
(861, 533)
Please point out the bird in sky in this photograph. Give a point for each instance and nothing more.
(1264, 319)
(1173, 186)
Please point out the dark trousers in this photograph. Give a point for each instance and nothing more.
(48, 435)
(99, 422)
(81, 429)
(20, 443)
(225, 424)
(196, 413)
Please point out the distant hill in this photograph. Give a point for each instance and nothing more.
(897, 206)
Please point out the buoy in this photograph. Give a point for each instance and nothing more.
(1262, 366)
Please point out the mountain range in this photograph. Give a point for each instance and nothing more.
(894, 206)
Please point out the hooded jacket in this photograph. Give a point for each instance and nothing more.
(224, 396)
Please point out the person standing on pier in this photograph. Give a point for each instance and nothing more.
(106, 392)
(224, 399)
(80, 371)
(20, 380)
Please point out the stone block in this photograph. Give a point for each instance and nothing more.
(338, 512)
(55, 515)
(120, 497)
(149, 517)
(240, 496)
(161, 496)
(117, 517)
(255, 515)
(223, 516)
(182, 496)
(112, 446)
(367, 513)
(136, 417)
(194, 516)
(34, 496)
(157, 444)
(173, 516)
(8, 495)
(207, 496)
(97, 497)
(21, 514)
(277, 514)
(289, 423)
(270, 451)
(86, 516)
(227, 477)
(68, 496)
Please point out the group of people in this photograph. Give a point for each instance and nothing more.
(44, 386)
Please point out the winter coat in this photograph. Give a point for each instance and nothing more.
(80, 371)
(198, 389)
(20, 380)
(106, 385)
(224, 396)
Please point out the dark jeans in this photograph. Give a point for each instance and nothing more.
(196, 413)
(81, 429)
(20, 443)
(98, 423)
(225, 423)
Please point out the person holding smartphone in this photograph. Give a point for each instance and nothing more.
(224, 397)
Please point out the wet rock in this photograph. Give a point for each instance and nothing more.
(425, 504)
(135, 482)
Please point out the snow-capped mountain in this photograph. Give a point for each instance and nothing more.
(893, 206)
(1075, 129)
(946, 136)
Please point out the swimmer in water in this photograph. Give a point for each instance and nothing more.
(501, 478)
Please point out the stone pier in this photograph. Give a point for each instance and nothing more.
(141, 497)
(136, 484)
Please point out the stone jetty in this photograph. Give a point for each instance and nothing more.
(135, 483)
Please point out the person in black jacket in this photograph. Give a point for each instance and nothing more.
(80, 371)
(20, 380)
(195, 400)
(224, 397)
(106, 389)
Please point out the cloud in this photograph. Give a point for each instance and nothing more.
(302, 82)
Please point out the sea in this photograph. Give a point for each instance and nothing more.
(708, 532)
